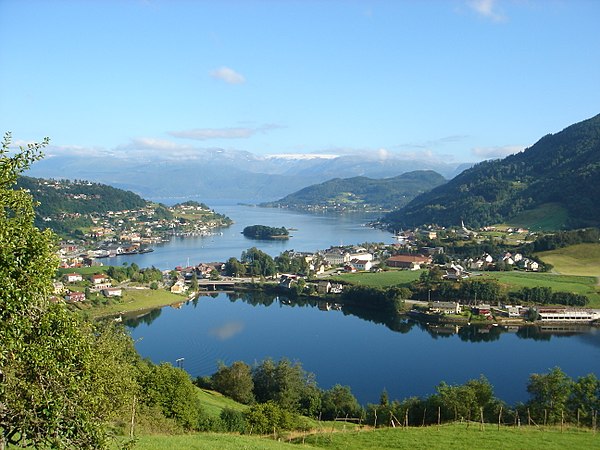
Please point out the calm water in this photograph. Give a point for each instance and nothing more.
(310, 232)
(354, 348)
(405, 357)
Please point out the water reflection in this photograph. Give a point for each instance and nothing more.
(398, 323)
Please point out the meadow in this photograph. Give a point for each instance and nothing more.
(449, 437)
(579, 259)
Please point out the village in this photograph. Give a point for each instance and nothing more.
(129, 232)
(317, 274)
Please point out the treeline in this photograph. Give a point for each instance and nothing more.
(431, 285)
(564, 239)
(541, 295)
(265, 232)
(279, 392)
(554, 398)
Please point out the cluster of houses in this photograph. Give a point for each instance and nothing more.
(133, 231)
(99, 283)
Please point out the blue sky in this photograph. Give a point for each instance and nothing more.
(454, 80)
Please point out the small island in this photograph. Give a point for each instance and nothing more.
(265, 232)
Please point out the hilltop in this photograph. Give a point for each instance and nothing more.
(362, 193)
(561, 170)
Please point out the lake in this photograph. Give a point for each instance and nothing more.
(350, 347)
(354, 347)
(309, 232)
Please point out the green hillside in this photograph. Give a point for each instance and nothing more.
(362, 192)
(580, 259)
(78, 197)
(561, 169)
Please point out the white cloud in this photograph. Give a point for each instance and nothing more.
(487, 9)
(496, 152)
(203, 134)
(76, 150)
(228, 75)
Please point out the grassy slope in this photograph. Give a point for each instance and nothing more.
(380, 279)
(213, 402)
(136, 300)
(447, 437)
(547, 217)
(580, 259)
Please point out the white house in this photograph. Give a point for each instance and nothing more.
(73, 277)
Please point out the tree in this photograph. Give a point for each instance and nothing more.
(47, 357)
(549, 394)
(171, 389)
(339, 402)
(285, 383)
(194, 282)
(234, 268)
(234, 381)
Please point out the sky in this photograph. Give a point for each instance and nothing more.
(454, 80)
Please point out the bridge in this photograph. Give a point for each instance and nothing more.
(215, 285)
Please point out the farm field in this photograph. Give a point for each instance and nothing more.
(566, 283)
(579, 259)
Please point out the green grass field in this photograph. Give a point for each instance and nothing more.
(548, 217)
(455, 436)
(580, 259)
(84, 270)
(379, 279)
(136, 300)
(566, 283)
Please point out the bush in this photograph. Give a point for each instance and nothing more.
(233, 421)
(265, 418)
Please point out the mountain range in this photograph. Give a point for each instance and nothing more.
(558, 175)
(225, 174)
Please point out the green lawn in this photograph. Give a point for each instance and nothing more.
(136, 300)
(447, 437)
(379, 279)
(84, 270)
(580, 259)
(566, 283)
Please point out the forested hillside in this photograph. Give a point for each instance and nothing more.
(562, 169)
(362, 192)
(81, 197)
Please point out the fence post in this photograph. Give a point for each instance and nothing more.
(499, 417)
(481, 413)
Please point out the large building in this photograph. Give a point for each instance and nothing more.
(412, 262)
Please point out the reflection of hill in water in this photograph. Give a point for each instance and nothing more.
(399, 323)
